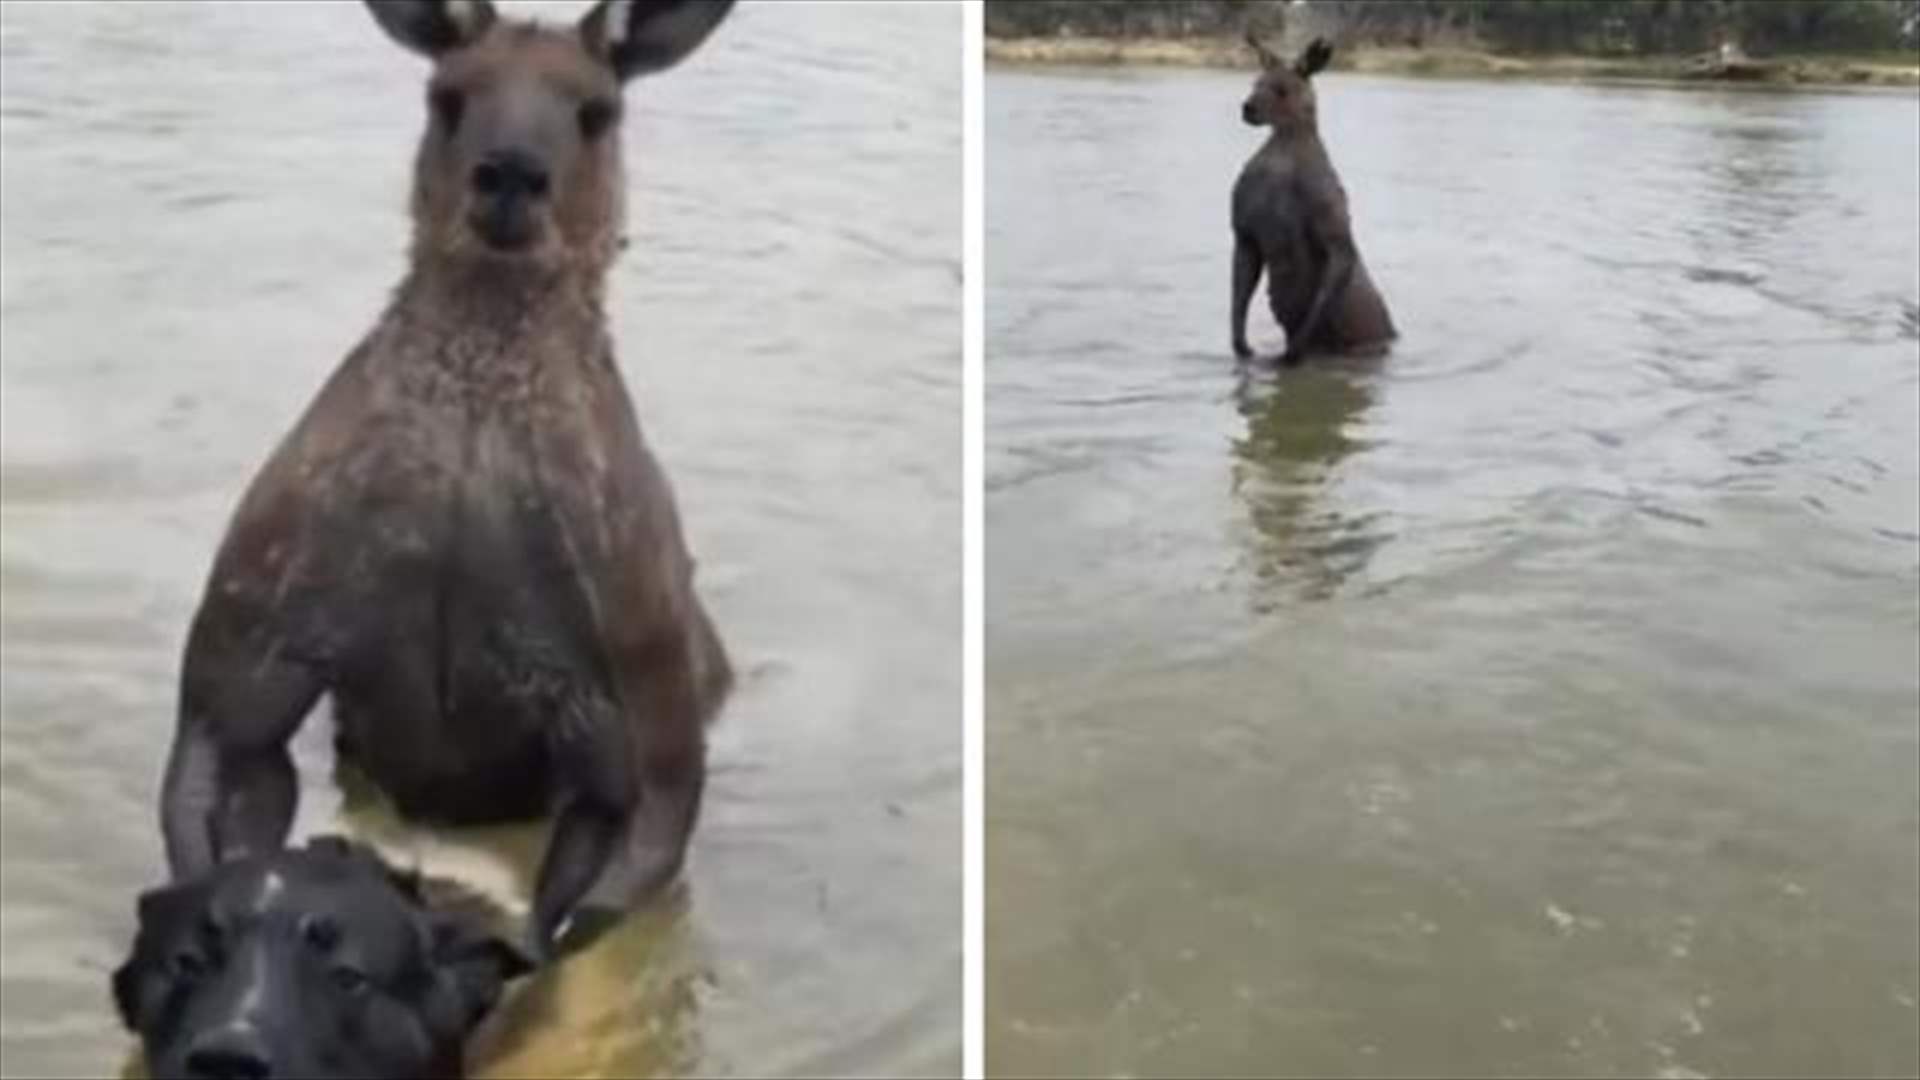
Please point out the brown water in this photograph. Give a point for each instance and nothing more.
(1543, 700)
(203, 209)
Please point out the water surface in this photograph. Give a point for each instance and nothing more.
(203, 210)
(1541, 700)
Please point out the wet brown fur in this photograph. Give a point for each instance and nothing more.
(467, 544)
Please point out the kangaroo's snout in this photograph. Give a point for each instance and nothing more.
(510, 174)
(1248, 113)
(508, 188)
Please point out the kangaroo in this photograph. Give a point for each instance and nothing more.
(464, 540)
(1290, 221)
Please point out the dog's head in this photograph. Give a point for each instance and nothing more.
(312, 962)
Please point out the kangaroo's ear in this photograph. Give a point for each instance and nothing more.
(433, 27)
(1267, 58)
(1313, 57)
(642, 37)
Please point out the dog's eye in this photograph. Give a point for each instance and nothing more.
(350, 980)
(187, 965)
(597, 116)
(447, 105)
(320, 932)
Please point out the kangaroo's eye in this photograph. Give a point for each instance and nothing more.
(351, 981)
(597, 116)
(447, 104)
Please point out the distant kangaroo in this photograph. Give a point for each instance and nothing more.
(1290, 220)
(464, 539)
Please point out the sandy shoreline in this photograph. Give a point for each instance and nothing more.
(1458, 63)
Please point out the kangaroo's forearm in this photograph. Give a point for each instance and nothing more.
(1246, 277)
(188, 799)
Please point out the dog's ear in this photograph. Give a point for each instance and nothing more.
(331, 844)
(340, 847)
(162, 909)
(126, 991)
(141, 981)
(472, 966)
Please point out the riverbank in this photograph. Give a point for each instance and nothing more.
(1461, 63)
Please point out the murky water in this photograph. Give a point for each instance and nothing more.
(203, 210)
(1542, 700)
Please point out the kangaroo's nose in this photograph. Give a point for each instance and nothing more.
(510, 172)
(234, 1052)
(1246, 112)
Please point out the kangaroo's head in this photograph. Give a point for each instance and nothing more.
(1282, 95)
(520, 159)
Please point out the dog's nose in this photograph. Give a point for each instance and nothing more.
(510, 172)
(234, 1052)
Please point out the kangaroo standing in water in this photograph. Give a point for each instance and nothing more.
(464, 540)
(1290, 220)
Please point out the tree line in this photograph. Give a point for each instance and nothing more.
(1598, 27)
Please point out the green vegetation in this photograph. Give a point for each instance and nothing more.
(1848, 42)
(1577, 27)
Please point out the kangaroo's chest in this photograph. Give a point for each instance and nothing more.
(436, 531)
(1269, 206)
(446, 554)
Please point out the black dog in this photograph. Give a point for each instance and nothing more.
(313, 962)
